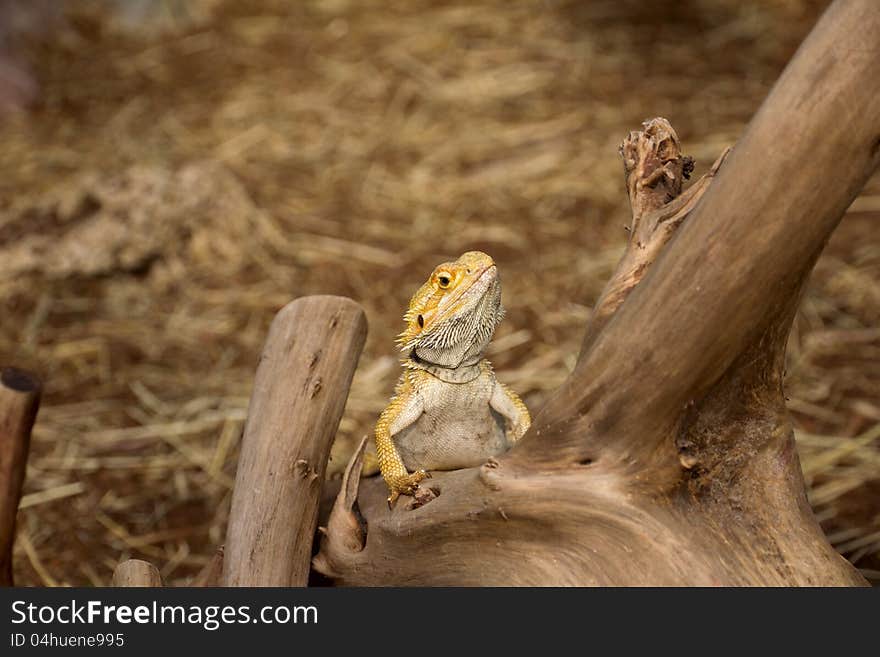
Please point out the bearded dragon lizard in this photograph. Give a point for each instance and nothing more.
(448, 410)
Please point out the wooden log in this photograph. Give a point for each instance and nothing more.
(19, 400)
(299, 394)
(136, 573)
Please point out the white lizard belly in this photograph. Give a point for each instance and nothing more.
(457, 429)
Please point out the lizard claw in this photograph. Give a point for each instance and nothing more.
(406, 485)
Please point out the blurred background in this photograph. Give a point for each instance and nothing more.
(172, 173)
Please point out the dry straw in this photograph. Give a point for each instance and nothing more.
(177, 185)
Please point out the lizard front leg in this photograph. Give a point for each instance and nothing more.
(508, 404)
(405, 408)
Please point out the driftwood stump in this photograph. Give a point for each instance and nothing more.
(667, 457)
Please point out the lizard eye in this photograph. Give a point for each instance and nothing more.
(444, 280)
(421, 321)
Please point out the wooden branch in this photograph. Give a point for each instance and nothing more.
(136, 573)
(746, 248)
(653, 168)
(19, 401)
(299, 394)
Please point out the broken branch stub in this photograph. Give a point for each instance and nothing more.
(299, 394)
(19, 401)
(136, 573)
(653, 169)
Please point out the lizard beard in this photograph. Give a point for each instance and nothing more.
(462, 339)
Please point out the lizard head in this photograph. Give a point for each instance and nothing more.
(453, 315)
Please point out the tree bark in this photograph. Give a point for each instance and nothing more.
(298, 398)
(19, 401)
(667, 457)
(136, 573)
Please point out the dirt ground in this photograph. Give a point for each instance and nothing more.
(187, 170)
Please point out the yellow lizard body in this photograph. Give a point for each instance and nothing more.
(448, 410)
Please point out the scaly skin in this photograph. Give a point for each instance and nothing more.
(399, 480)
(448, 410)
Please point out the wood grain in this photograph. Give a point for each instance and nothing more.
(299, 394)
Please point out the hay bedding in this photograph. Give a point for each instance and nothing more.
(180, 181)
